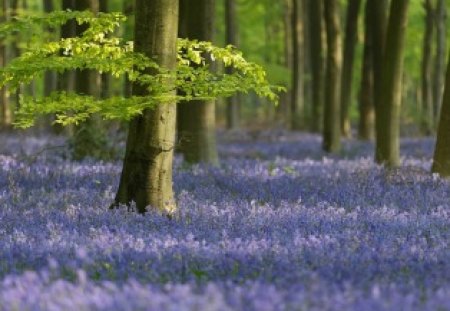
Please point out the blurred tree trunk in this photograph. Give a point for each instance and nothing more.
(317, 62)
(232, 37)
(66, 80)
(441, 159)
(6, 115)
(105, 78)
(378, 15)
(89, 139)
(351, 31)
(196, 119)
(297, 101)
(283, 109)
(441, 48)
(50, 76)
(388, 114)
(307, 70)
(366, 105)
(128, 8)
(147, 168)
(427, 117)
(331, 126)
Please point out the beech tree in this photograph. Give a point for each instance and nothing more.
(196, 119)
(6, 117)
(388, 111)
(317, 63)
(441, 159)
(351, 31)
(331, 127)
(366, 129)
(147, 168)
(232, 37)
(297, 100)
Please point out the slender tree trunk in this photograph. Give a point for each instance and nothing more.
(331, 126)
(104, 77)
(50, 76)
(283, 109)
(351, 31)
(366, 105)
(6, 115)
(441, 48)
(427, 117)
(317, 64)
(388, 114)
(378, 15)
(147, 170)
(196, 119)
(232, 37)
(89, 139)
(66, 80)
(297, 101)
(441, 159)
(307, 70)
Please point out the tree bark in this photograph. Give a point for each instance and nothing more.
(331, 126)
(366, 106)
(297, 101)
(147, 169)
(196, 119)
(388, 114)
(317, 63)
(6, 115)
(351, 31)
(232, 37)
(50, 76)
(441, 48)
(427, 116)
(89, 138)
(441, 159)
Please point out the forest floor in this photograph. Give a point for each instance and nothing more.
(278, 226)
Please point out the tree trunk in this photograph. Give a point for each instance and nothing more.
(89, 138)
(351, 31)
(378, 16)
(6, 116)
(439, 73)
(366, 105)
(297, 101)
(232, 37)
(388, 114)
(331, 126)
(147, 169)
(105, 78)
(427, 117)
(283, 109)
(441, 159)
(50, 76)
(317, 64)
(196, 119)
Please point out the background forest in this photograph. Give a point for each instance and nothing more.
(224, 155)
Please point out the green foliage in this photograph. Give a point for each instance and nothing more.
(98, 49)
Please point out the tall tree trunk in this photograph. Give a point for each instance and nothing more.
(331, 126)
(351, 31)
(147, 169)
(441, 48)
(427, 117)
(104, 77)
(388, 114)
(66, 80)
(196, 119)
(317, 64)
(307, 70)
(283, 109)
(366, 105)
(6, 116)
(89, 139)
(378, 16)
(297, 101)
(50, 76)
(232, 37)
(441, 159)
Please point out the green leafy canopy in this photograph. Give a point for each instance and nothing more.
(100, 50)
